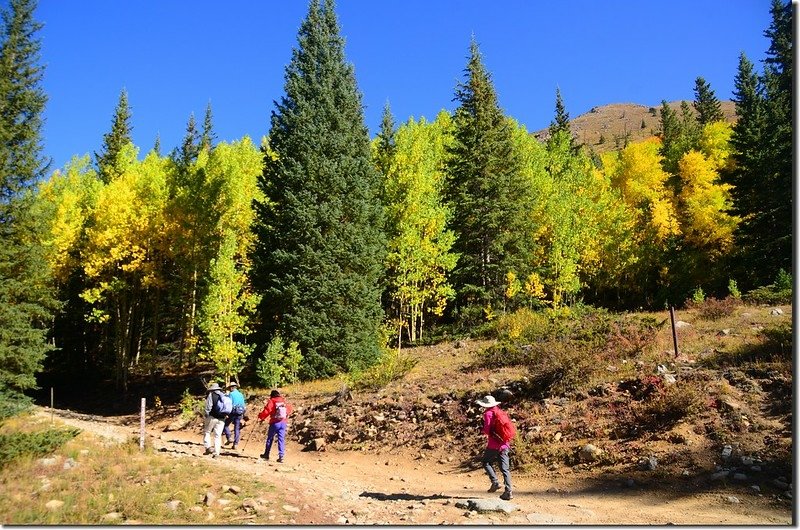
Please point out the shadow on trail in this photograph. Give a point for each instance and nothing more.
(407, 496)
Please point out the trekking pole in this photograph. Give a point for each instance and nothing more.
(248, 439)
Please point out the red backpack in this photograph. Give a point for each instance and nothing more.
(502, 426)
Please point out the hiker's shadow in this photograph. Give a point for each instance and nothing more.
(406, 496)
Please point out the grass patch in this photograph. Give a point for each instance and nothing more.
(119, 478)
(393, 365)
(14, 446)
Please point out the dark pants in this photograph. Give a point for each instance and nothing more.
(490, 456)
(236, 419)
(278, 429)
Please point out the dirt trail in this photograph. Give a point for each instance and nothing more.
(369, 488)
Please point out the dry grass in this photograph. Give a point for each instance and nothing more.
(118, 478)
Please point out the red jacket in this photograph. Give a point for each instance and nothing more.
(269, 409)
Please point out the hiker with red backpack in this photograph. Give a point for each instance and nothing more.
(277, 410)
(499, 431)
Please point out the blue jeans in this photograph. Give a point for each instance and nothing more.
(490, 456)
(236, 419)
(280, 430)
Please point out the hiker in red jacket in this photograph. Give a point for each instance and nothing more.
(277, 410)
(496, 449)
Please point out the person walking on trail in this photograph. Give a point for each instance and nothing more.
(277, 410)
(496, 448)
(214, 422)
(235, 416)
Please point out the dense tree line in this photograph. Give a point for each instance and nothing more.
(337, 245)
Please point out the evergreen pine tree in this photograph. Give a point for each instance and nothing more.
(708, 107)
(190, 147)
(114, 140)
(207, 137)
(320, 247)
(26, 300)
(486, 191)
(386, 140)
(763, 149)
(560, 123)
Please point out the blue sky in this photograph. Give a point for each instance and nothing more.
(173, 57)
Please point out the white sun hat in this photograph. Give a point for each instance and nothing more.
(487, 401)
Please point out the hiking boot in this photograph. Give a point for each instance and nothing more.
(215, 455)
(506, 496)
(208, 451)
(280, 459)
(234, 447)
(494, 488)
(227, 442)
(265, 456)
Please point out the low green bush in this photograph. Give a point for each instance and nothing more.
(18, 444)
(392, 366)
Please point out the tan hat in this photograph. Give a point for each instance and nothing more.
(212, 387)
(487, 402)
(233, 384)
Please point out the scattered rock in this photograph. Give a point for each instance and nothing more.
(724, 332)
(54, 504)
(681, 324)
(235, 489)
(719, 475)
(589, 453)
(69, 463)
(209, 498)
(487, 505)
(650, 463)
(179, 424)
(342, 520)
(727, 451)
(731, 499)
(111, 517)
(776, 311)
(290, 508)
(739, 476)
(556, 436)
(173, 504)
(49, 461)
(756, 488)
(317, 444)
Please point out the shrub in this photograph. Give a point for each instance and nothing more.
(713, 309)
(698, 296)
(190, 406)
(779, 292)
(13, 403)
(556, 369)
(393, 365)
(280, 364)
(733, 289)
(668, 407)
(40, 443)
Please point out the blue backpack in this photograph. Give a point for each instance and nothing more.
(222, 406)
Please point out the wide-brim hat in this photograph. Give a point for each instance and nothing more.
(233, 384)
(487, 401)
(212, 387)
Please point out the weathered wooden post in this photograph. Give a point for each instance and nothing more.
(141, 427)
(674, 333)
(52, 408)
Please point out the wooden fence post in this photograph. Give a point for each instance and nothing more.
(674, 333)
(141, 427)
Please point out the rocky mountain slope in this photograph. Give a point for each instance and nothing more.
(605, 127)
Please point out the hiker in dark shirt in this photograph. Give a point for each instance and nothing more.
(213, 423)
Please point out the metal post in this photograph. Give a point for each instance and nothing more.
(141, 427)
(674, 333)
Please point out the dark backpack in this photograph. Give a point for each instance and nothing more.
(502, 426)
(222, 405)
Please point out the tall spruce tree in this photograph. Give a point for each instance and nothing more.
(26, 300)
(763, 150)
(486, 190)
(320, 247)
(208, 136)
(560, 123)
(708, 107)
(114, 140)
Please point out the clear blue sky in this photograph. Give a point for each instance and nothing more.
(173, 57)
